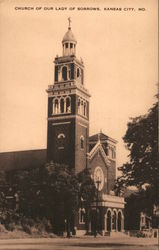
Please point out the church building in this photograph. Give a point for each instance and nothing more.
(68, 138)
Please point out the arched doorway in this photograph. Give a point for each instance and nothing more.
(119, 221)
(108, 221)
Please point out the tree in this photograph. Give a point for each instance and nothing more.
(3, 191)
(26, 184)
(61, 186)
(68, 192)
(132, 212)
(142, 170)
(53, 192)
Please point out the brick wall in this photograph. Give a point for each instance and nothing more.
(109, 172)
(55, 152)
(111, 175)
(82, 129)
(97, 160)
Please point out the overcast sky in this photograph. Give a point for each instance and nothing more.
(119, 50)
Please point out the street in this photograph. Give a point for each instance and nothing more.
(89, 243)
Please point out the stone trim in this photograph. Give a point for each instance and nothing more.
(60, 123)
(95, 149)
(67, 117)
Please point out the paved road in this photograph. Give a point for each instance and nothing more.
(89, 243)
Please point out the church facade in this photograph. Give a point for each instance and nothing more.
(68, 139)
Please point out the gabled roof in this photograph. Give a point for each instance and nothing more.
(98, 148)
(96, 137)
(102, 137)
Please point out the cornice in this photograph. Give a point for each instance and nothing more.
(64, 117)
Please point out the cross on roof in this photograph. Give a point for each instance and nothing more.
(69, 22)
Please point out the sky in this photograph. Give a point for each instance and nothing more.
(119, 50)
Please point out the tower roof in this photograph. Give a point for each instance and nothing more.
(69, 36)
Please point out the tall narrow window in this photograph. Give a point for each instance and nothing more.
(71, 45)
(85, 114)
(81, 108)
(56, 73)
(79, 103)
(68, 105)
(62, 105)
(64, 73)
(69, 73)
(114, 218)
(109, 221)
(72, 71)
(82, 142)
(78, 72)
(82, 76)
(56, 107)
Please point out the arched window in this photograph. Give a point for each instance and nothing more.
(119, 221)
(78, 72)
(85, 114)
(56, 106)
(109, 221)
(64, 73)
(61, 141)
(69, 73)
(82, 142)
(79, 104)
(81, 108)
(68, 105)
(114, 218)
(61, 136)
(62, 105)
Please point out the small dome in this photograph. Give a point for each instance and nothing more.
(69, 36)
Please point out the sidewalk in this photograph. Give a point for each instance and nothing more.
(133, 241)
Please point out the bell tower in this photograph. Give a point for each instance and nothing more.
(68, 108)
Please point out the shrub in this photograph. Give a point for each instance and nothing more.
(47, 224)
(26, 228)
(10, 226)
(2, 228)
